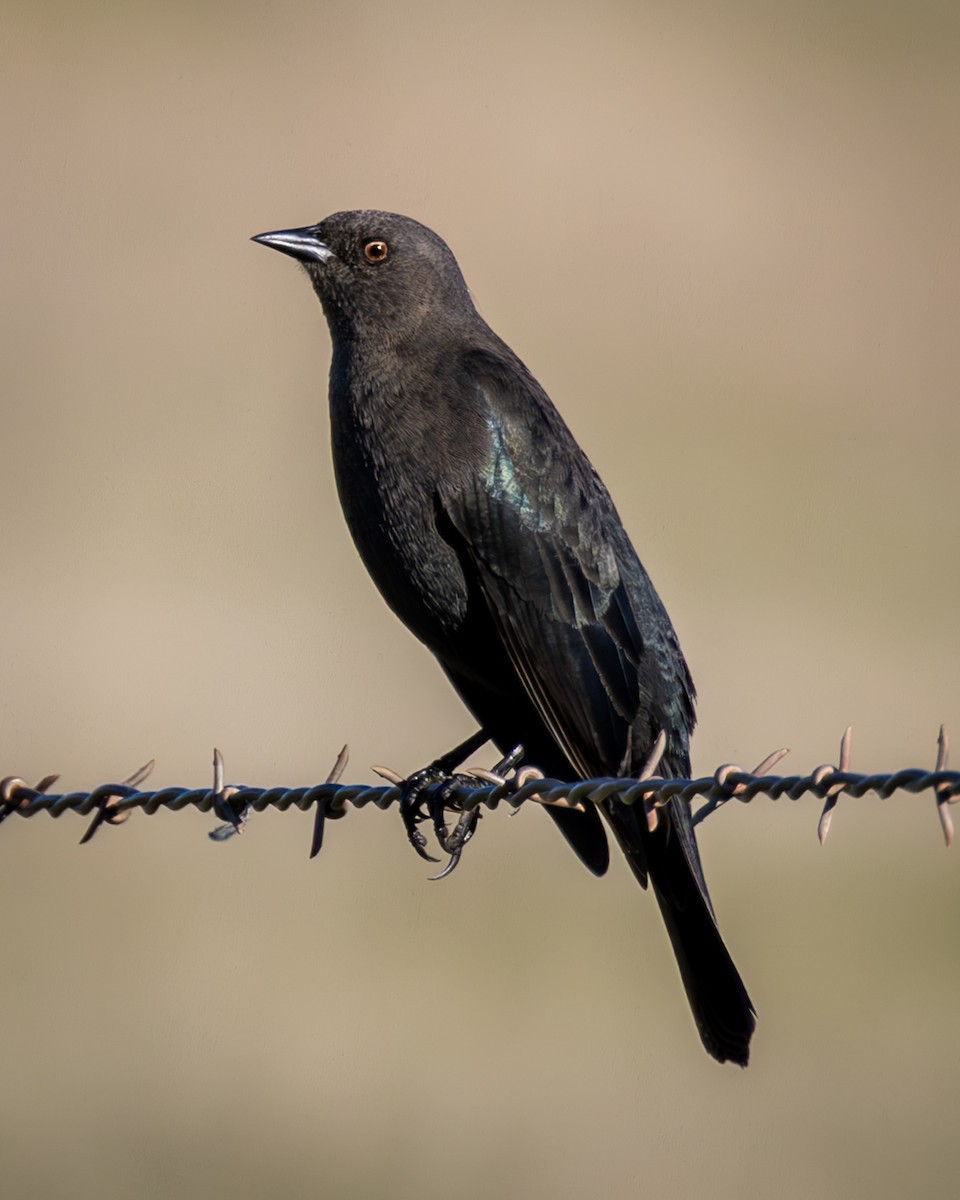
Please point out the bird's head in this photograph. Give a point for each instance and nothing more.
(377, 272)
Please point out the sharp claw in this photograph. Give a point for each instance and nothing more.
(448, 869)
(454, 844)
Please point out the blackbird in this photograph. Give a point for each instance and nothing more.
(492, 537)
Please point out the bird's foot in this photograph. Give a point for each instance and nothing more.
(412, 811)
(466, 825)
(429, 793)
(423, 797)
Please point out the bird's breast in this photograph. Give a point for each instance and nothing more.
(389, 463)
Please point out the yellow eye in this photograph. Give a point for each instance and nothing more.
(375, 251)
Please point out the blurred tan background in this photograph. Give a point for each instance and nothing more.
(725, 238)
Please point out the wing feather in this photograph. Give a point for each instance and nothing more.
(581, 622)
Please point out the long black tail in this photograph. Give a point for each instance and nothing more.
(721, 1007)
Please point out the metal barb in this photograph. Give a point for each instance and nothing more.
(833, 795)
(762, 768)
(11, 794)
(389, 776)
(649, 799)
(135, 779)
(943, 798)
(323, 806)
(222, 797)
(107, 798)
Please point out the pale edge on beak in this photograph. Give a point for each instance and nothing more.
(298, 243)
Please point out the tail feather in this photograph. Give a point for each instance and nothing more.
(722, 1010)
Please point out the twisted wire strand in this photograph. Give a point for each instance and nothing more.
(112, 803)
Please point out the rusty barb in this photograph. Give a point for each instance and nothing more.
(112, 803)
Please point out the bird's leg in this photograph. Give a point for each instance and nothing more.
(439, 771)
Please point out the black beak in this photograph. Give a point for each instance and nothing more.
(303, 244)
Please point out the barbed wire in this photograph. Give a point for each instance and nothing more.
(433, 793)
